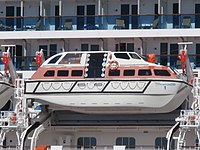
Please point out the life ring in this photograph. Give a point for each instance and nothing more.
(113, 65)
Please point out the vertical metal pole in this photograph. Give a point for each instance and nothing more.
(138, 6)
(60, 7)
(99, 7)
(22, 8)
(159, 6)
(41, 3)
(179, 7)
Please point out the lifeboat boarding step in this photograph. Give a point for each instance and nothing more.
(188, 120)
(17, 119)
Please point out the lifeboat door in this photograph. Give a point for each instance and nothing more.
(96, 65)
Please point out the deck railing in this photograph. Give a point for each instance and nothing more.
(104, 22)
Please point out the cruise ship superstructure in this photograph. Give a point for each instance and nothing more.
(141, 26)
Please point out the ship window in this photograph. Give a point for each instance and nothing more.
(77, 72)
(63, 73)
(129, 72)
(161, 143)
(161, 73)
(114, 72)
(134, 56)
(54, 60)
(49, 73)
(86, 142)
(144, 72)
(129, 142)
(71, 59)
(122, 55)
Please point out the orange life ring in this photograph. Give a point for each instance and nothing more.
(113, 65)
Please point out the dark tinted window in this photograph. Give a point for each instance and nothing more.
(54, 60)
(161, 143)
(134, 56)
(86, 142)
(49, 73)
(122, 55)
(161, 73)
(129, 142)
(114, 72)
(77, 72)
(63, 73)
(129, 72)
(144, 72)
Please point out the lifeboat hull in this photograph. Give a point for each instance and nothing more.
(6, 91)
(110, 96)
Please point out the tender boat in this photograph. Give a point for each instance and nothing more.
(106, 82)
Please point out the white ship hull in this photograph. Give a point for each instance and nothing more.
(6, 91)
(119, 96)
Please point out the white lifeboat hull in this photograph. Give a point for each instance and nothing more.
(110, 96)
(6, 91)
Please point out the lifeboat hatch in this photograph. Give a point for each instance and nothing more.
(96, 63)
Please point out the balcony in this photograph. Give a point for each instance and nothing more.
(107, 22)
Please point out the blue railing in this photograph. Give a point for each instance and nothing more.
(100, 22)
(29, 62)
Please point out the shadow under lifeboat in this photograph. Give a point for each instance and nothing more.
(106, 82)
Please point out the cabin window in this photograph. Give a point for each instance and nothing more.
(86, 142)
(77, 72)
(63, 73)
(144, 72)
(161, 73)
(122, 55)
(71, 59)
(134, 56)
(161, 143)
(54, 60)
(129, 72)
(129, 142)
(114, 72)
(49, 73)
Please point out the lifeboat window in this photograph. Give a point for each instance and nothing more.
(161, 73)
(49, 73)
(77, 72)
(129, 72)
(122, 55)
(71, 59)
(144, 72)
(54, 60)
(114, 72)
(134, 56)
(63, 73)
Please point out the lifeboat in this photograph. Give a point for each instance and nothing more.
(106, 82)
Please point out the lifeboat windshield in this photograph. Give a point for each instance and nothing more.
(55, 59)
(71, 58)
(122, 55)
(134, 56)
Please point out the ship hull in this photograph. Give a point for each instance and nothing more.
(113, 96)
